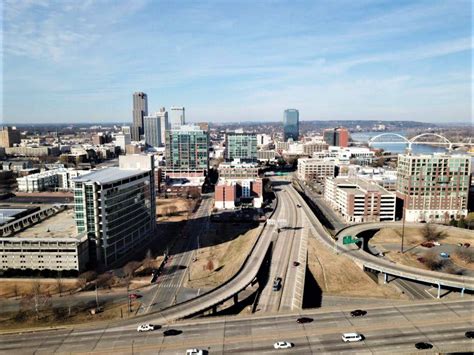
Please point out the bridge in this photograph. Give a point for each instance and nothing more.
(399, 139)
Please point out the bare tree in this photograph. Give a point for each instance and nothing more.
(15, 290)
(59, 285)
(104, 280)
(432, 261)
(86, 277)
(431, 232)
(130, 268)
(36, 299)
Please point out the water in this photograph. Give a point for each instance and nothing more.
(397, 147)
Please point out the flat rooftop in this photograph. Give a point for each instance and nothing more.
(361, 183)
(8, 214)
(61, 225)
(108, 175)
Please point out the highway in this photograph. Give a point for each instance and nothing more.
(168, 289)
(287, 248)
(387, 329)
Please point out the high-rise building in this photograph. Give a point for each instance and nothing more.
(164, 123)
(122, 140)
(116, 208)
(152, 130)
(338, 137)
(140, 110)
(241, 146)
(291, 124)
(187, 151)
(433, 187)
(9, 136)
(177, 117)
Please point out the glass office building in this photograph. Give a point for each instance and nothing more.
(242, 146)
(291, 124)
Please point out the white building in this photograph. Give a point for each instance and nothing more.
(263, 140)
(177, 118)
(122, 140)
(310, 169)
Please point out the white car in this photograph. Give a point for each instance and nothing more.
(194, 352)
(351, 337)
(145, 328)
(282, 345)
(436, 243)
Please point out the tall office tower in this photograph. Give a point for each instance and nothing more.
(126, 130)
(187, 151)
(291, 124)
(338, 137)
(9, 136)
(152, 130)
(177, 117)
(140, 110)
(164, 124)
(433, 187)
(242, 146)
(116, 208)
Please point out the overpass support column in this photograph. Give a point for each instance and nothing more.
(214, 309)
(462, 292)
(439, 290)
(385, 277)
(236, 298)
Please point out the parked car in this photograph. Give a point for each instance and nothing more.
(435, 243)
(283, 345)
(134, 296)
(296, 263)
(277, 284)
(427, 244)
(351, 337)
(444, 255)
(466, 245)
(423, 346)
(194, 352)
(145, 328)
(358, 313)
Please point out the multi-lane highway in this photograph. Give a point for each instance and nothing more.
(391, 329)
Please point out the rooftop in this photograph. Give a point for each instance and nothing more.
(359, 184)
(61, 225)
(7, 214)
(108, 175)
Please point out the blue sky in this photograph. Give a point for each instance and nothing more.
(81, 61)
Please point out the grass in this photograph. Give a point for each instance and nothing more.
(414, 236)
(338, 275)
(16, 287)
(230, 245)
(174, 209)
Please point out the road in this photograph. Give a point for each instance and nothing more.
(168, 289)
(386, 329)
(287, 248)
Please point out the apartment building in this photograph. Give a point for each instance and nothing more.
(310, 169)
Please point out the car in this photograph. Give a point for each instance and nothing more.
(172, 332)
(298, 205)
(444, 255)
(435, 243)
(421, 259)
(427, 245)
(466, 245)
(358, 313)
(469, 334)
(304, 320)
(194, 352)
(134, 296)
(296, 263)
(277, 284)
(459, 244)
(423, 346)
(351, 337)
(145, 328)
(283, 345)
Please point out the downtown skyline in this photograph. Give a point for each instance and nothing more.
(77, 63)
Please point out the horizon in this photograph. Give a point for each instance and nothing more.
(237, 62)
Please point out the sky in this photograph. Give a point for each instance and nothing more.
(229, 61)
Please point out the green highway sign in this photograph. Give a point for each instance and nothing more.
(348, 239)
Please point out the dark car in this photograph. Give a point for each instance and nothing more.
(469, 334)
(466, 245)
(304, 320)
(277, 284)
(427, 244)
(134, 296)
(358, 313)
(296, 263)
(171, 332)
(423, 346)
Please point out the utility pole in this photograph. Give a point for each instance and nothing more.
(96, 295)
(128, 298)
(403, 228)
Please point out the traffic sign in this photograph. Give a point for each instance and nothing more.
(348, 239)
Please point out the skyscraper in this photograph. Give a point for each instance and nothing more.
(177, 117)
(140, 110)
(433, 187)
(164, 124)
(291, 124)
(152, 130)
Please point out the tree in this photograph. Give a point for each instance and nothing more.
(104, 280)
(14, 289)
(453, 223)
(470, 219)
(130, 268)
(59, 285)
(462, 223)
(431, 232)
(36, 299)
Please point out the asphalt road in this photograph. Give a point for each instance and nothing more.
(168, 289)
(390, 329)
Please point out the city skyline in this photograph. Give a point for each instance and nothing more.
(77, 63)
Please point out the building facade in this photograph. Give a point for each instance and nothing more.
(360, 201)
(238, 171)
(177, 117)
(9, 136)
(310, 169)
(241, 146)
(433, 187)
(152, 130)
(116, 209)
(338, 137)
(291, 124)
(187, 151)
(140, 110)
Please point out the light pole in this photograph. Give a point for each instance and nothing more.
(403, 228)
